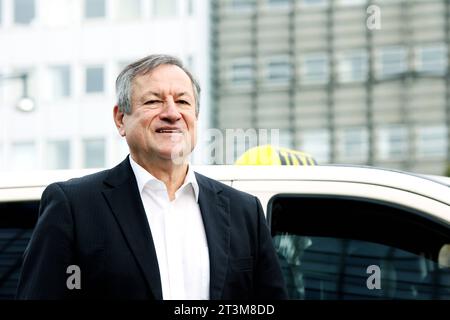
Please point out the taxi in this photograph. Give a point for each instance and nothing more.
(341, 232)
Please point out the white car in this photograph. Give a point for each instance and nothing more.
(341, 232)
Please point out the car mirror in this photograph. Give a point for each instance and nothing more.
(444, 256)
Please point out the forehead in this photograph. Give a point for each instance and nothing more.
(166, 78)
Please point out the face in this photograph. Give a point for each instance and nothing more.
(162, 123)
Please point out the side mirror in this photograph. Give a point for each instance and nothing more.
(444, 256)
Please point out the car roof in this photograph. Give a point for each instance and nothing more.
(430, 186)
(434, 187)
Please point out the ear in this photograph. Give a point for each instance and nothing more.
(118, 120)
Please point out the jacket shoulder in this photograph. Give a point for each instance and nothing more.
(88, 180)
(88, 183)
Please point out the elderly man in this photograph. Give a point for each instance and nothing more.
(151, 228)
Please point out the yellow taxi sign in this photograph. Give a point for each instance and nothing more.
(269, 155)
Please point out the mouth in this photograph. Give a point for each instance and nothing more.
(169, 130)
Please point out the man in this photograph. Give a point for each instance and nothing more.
(151, 228)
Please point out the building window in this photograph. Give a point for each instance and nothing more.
(393, 61)
(285, 138)
(315, 69)
(60, 81)
(94, 8)
(94, 153)
(278, 3)
(279, 69)
(165, 8)
(432, 141)
(127, 9)
(432, 60)
(94, 79)
(354, 144)
(58, 155)
(353, 66)
(352, 2)
(242, 71)
(23, 156)
(314, 3)
(242, 5)
(24, 11)
(317, 144)
(392, 143)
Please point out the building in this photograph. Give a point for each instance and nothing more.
(348, 81)
(71, 52)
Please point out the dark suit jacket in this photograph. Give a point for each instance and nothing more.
(98, 223)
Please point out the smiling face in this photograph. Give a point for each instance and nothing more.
(162, 124)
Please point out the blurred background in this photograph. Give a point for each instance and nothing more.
(334, 87)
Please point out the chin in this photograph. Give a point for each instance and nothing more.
(174, 154)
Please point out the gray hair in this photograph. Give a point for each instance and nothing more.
(124, 81)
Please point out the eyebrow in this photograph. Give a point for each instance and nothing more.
(185, 93)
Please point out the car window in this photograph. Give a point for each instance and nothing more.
(17, 220)
(338, 248)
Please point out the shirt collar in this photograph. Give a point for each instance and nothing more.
(143, 177)
(191, 179)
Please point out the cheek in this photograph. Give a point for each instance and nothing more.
(142, 124)
(146, 117)
(137, 127)
(191, 120)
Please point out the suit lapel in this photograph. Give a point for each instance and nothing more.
(127, 207)
(216, 219)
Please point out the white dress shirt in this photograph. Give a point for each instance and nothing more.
(178, 235)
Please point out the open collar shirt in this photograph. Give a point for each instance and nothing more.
(178, 235)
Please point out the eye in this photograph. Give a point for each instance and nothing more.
(152, 102)
(183, 102)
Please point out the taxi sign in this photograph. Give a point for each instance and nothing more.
(269, 155)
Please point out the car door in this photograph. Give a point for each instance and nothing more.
(17, 220)
(338, 247)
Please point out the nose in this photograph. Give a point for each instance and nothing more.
(170, 111)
